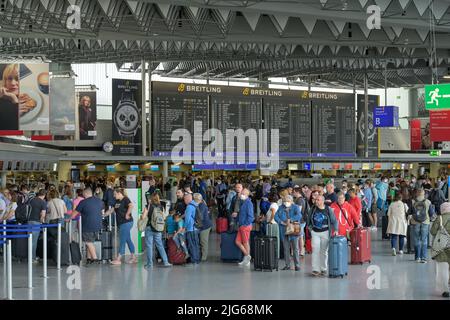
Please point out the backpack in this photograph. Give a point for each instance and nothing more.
(23, 209)
(420, 211)
(264, 206)
(198, 219)
(436, 200)
(158, 220)
(318, 218)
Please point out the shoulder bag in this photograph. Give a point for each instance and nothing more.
(292, 228)
(441, 241)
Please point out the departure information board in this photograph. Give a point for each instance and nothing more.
(333, 124)
(231, 112)
(292, 117)
(173, 108)
(317, 124)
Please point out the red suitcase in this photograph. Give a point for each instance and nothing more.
(175, 255)
(308, 246)
(221, 225)
(360, 246)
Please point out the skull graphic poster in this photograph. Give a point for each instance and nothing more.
(126, 116)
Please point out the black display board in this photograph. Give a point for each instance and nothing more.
(373, 131)
(127, 117)
(174, 107)
(292, 117)
(233, 109)
(333, 124)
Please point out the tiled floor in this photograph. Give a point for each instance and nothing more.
(401, 278)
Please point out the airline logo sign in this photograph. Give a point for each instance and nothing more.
(437, 97)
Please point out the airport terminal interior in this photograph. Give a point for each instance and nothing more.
(224, 150)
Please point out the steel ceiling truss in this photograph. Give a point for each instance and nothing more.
(217, 39)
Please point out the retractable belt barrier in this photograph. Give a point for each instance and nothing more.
(5, 240)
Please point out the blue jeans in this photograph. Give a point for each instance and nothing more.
(394, 241)
(151, 236)
(35, 237)
(193, 241)
(125, 238)
(421, 241)
(180, 241)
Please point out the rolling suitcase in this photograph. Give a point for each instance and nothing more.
(265, 254)
(75, 252)
(175, 254)
(221, 225)
(338, 257)
(19, 247)
(253, 235)
(65, 250)
(98, 249)
(308, 245)
(384, 226)
(106, 239)
(229, 252)
(272, 230)
(360, 246)
(410, 239)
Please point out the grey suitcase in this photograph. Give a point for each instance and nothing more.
(98, 249)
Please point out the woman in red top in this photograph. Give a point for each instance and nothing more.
(346, 215)
(355, 201)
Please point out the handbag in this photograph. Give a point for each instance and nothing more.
(292, 228)
(142, 223)
(441, 241)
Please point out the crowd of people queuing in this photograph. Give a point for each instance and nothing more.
(322, 211)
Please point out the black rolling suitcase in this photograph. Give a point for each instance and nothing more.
(75, 252)
(410, 239)
(65, 249)
(107, 245)
(19, 247)
(384, 225)
(265, 254)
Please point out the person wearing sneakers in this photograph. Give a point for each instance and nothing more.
(322, 223)
(289, 212)
(397, 223)
(420, 219)
(442, 259)
(91, 211)
(123, 208)
(154, 210)
(245, 218)
(192, 232)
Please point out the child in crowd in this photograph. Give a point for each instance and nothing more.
(179, 236)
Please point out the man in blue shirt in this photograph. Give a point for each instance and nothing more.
(206, 226)
(91, 210)
(192, 233)
(246, 218)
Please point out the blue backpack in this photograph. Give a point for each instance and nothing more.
(264, 206)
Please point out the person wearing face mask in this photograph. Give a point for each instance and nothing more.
(323, 224)
(420, 220)
(246, 218)
(289, 213)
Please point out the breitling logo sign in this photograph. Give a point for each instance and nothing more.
(319, 95)
(262, 92)
(127, 86)
(196, 88)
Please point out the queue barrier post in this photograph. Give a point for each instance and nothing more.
(30, 260)
(80, 238)
(9, 276)
(4, 248)
(45, 251)
(59, 247)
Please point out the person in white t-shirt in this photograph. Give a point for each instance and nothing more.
(8, 212)
(272, 226)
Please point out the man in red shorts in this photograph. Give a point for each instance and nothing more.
(246, 218)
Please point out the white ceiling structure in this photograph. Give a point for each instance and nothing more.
(326, 42)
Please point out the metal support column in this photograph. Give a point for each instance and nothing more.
(144, 112)
(385, 83)
(44, 253)
(366, 116)
(58, 264)
(150, 107)
(30, 260)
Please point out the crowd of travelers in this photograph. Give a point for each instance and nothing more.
(406, 207)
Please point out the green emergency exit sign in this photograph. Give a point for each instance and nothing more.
(435, 153)
(437, 97)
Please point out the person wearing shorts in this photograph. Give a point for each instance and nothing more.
(246, 218)
(91, 210)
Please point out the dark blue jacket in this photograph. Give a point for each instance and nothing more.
(108, 198)
(206, 219)
(246, 214)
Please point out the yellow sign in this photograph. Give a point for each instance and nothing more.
(246, 92)
(181, 87)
